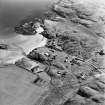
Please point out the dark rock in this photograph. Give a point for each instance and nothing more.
(34, 55)
(3, 46)
(27, 26)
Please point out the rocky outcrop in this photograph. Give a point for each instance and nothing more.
(27, 26)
